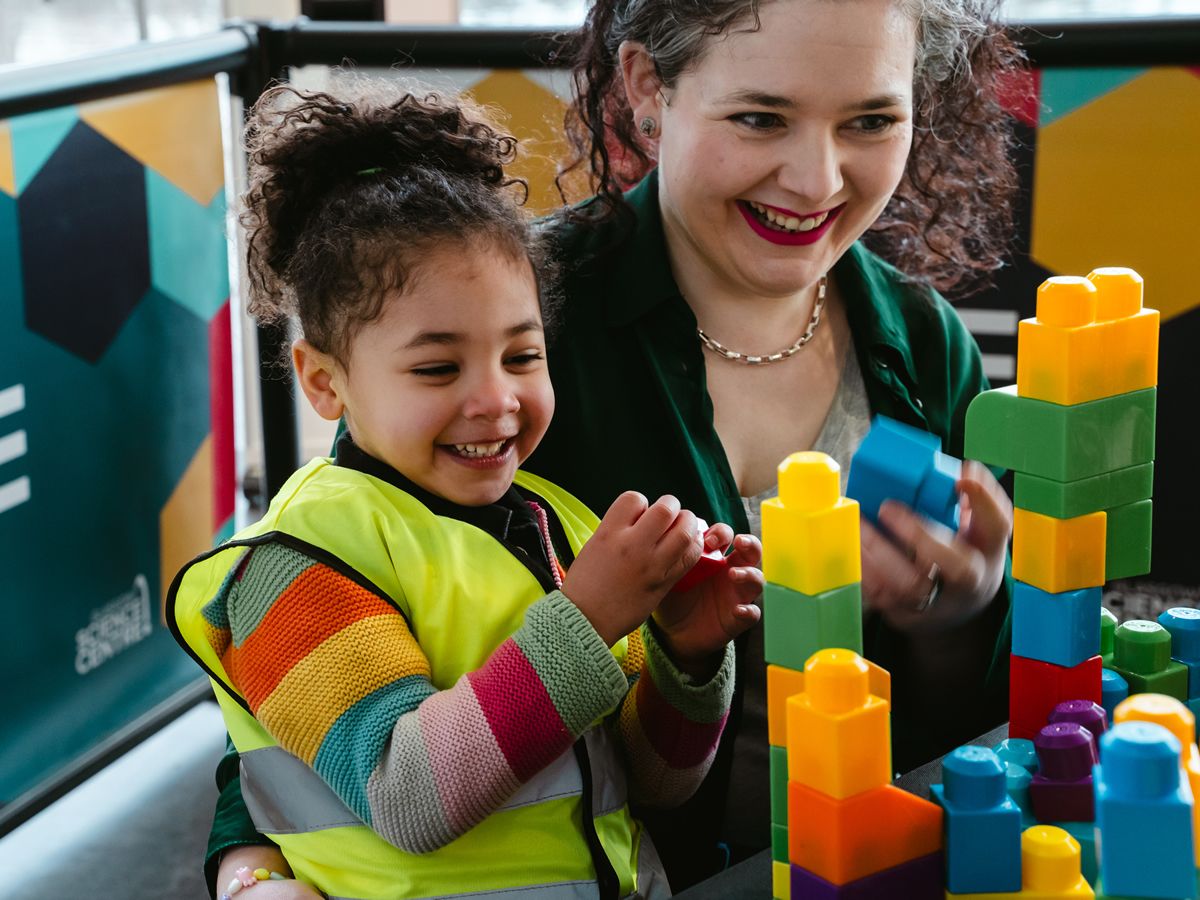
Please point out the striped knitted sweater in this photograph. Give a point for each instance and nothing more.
(336, 676)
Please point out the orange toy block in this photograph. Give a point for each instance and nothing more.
(1091, 339)
(783, 683)
(1059, 555)
(810, 534)
(838, 735)
(844, 840)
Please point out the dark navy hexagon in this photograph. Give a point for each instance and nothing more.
(84, 245)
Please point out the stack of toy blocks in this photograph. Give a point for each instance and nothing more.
(1078, 432)
(811, 600)
(839, 828)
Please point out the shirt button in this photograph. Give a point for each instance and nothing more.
(920, 405)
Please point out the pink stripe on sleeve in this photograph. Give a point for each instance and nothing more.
(680, 741)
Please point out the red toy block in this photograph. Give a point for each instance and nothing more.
(1036, 687)
(705, 568)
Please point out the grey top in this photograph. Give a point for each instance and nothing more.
(748, 801)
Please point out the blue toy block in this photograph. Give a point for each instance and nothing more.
(1194, 706)
(1113, 689)
(1184, 624)
(1085, 834)
(1062, 628)
(899, 462)
(1144, 814)
(983, 824)
(1020, 751)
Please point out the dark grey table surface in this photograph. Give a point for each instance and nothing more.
(751, 878)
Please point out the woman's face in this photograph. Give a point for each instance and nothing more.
(783, 145)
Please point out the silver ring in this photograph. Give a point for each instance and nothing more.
(935, 588)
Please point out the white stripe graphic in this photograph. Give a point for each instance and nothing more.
(1000, 368)
(989, 321)
(12, 446)
(12, 400)
(13, 494)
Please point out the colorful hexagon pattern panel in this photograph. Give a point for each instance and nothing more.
(116, 407)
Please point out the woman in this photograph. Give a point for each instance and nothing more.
(782, 133)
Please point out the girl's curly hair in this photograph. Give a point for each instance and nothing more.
(949, 222)
(347, 192)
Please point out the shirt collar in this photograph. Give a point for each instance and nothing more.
(495, 518)
(868, 286)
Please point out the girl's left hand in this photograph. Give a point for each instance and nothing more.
(697, 624)
(964, 568)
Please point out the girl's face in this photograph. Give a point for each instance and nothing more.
(783, 145)
(449, 385)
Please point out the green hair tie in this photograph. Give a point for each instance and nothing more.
(374, 171)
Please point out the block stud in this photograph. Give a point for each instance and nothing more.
(1066, 301)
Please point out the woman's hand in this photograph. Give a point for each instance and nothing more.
(263, 857)
(696, 624)
(969, 565)
(638, 552)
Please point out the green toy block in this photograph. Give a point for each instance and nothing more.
(779, 843)
(779, 780)
(1127, 543)
(1068, 499)
(796, 625)
(1108, 628)
(1061, 443)
(1171, 680)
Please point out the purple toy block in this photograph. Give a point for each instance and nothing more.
(1062, 789)
(920, 879)
(1088, 713)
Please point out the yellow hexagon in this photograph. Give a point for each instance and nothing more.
(1116, 184)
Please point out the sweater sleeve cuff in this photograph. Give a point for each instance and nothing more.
(580, 673)
(705, 702)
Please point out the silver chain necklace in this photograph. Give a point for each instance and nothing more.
(724, 352)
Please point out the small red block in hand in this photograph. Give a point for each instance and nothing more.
(706, 567)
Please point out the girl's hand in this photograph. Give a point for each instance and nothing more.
(696, 624)
(968, 566)
(637, 553)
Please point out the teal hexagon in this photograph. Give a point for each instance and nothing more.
(1065, 90)
(188, 256)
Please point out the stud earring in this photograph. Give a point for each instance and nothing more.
(648, 126)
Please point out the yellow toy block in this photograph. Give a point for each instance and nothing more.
(1059, 554)
(1174, 716)
(810, 534)
(1091, 339)
(838, 734)
(783, 682)
(1050, 868)
(781, 880)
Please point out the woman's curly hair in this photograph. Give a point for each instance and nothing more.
(949, 222)
(346, 193)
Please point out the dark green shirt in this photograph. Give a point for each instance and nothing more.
(633, 413)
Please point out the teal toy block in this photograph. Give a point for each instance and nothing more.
(1061, 443)
(796, 625)
(1018, 750)
(898, 462)
(1183, 622)
(1113, 689)
(1062, 628)
(1108, 628)
(1194, 705)
(1068, 499)
(779, 843)
(779, 780)
(1127, 541)
(983, 824)
(1085, 834)
(1142, 656)
(1016, 781)
(1144, 814)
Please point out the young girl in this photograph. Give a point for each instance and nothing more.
(442, 674)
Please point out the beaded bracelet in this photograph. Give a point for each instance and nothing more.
(245, 877)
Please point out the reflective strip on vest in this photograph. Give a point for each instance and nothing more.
(284, 796)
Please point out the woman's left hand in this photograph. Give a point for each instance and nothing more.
(962, 571)
(695, 625)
